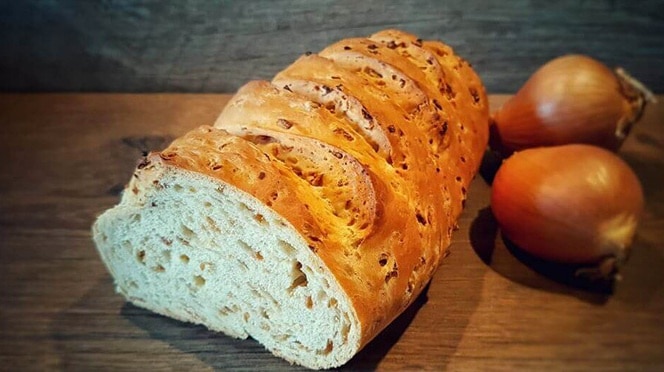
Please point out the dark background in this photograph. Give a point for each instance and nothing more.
(216, 46)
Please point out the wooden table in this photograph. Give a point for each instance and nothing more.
(66, 157)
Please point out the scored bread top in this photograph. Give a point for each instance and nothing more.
(413, 117)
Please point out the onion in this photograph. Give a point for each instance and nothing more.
(571, 99)
(573, 204)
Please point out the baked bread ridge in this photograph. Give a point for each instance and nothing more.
(403, 151)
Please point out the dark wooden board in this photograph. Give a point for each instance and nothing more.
(65, 158)
(216, 46)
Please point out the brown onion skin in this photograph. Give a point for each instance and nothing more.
(571, 99)
(556, 202)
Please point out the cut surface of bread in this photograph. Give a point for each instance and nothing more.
(317, 207)
(192, 247)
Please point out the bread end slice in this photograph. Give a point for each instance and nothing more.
(192, 247)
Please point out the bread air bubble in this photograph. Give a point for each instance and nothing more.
(199, 281)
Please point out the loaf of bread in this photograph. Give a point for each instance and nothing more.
(318, 205)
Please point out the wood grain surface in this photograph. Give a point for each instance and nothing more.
(65, 158)
(215, 46)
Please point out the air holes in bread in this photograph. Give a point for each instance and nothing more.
(141, 257)
(212, 224)
(245, 247)
(328, 348)
(184, 258)
(345, 330)
(288, 249)
(199, 281)
(243, 266)
(309, 303)
(159, 269)
(227, 310)
(321, 295)
(299, 277)
(332, 303)
(245, 207)
(187, 232)
(127, 245)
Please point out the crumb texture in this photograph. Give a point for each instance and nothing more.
(226, 261)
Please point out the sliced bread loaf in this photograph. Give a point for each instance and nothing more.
(316, 208)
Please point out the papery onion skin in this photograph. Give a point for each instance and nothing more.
(570, 204)
(571, 99)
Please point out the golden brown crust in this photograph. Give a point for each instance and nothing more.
(409, 162)
(432, 109)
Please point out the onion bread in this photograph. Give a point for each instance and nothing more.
(318, 205)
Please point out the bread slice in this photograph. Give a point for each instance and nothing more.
(190, 241)
(316, 208)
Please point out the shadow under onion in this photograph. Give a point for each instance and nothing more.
(511, 262)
